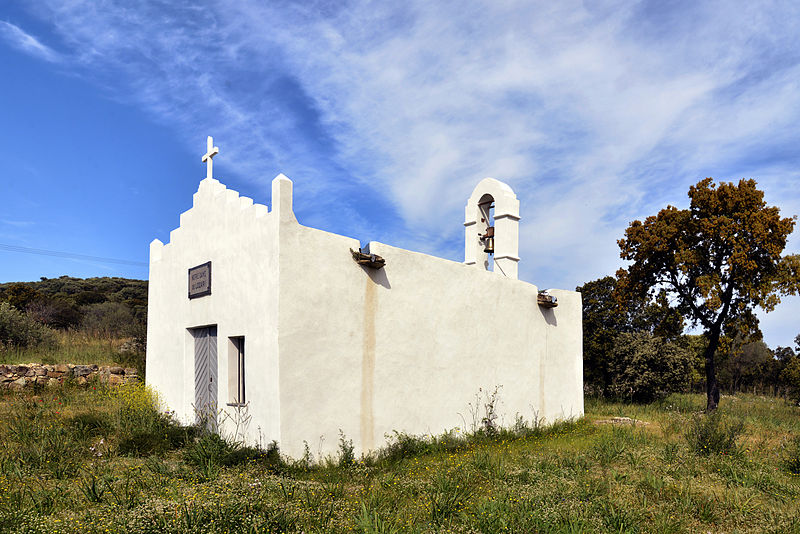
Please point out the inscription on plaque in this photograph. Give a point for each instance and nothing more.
(200, 280)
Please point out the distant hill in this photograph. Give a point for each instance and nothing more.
(82, 291)
(64, 301)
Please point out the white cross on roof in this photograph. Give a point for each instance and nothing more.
(212, 151)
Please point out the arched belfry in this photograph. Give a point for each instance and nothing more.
(491, 227)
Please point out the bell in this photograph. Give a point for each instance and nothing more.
(488, 240)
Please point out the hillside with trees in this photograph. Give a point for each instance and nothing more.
(56, 318)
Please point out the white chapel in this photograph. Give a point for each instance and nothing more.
(277, 331)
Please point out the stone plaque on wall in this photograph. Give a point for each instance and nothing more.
(200, 280)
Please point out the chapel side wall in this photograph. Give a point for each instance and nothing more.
(407, 347)
(239, 238)
(562, 392)
(320, 339)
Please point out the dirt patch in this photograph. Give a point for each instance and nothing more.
(621, 421)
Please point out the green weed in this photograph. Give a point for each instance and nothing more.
(713, 433)
(792, 460)
(369, 521)
(448, 493)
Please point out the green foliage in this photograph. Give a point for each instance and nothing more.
(107, 319)
(269, 458)
(605, 316)
(91, 424)
(54, 312)
(19, 294)
(77, 292)
(96, 320)
(790, 376)
(347, 457)
(84, 290)
(40, 446)
(747, 365)
(713, 433)
(76, 347)
(156, 441)
(209, 453)
(370, 522)
(18, 330)
(448, 494)
(644, 367)
(718, 259)
(402, 446)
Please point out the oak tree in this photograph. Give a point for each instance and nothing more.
(717, 261)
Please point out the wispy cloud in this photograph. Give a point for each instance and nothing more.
(595, 115)
(19, 39)
(16, 223)
(387, 114)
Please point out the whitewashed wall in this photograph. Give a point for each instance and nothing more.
(407, 347)
(241, 240)
(331, 345)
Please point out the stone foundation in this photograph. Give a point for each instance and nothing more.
(17, 377)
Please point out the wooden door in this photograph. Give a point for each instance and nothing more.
(205, 376)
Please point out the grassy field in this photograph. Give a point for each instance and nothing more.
(75, 347)
(101, 460)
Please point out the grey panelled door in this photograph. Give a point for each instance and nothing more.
(205, 375)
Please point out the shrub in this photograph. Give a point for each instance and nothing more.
(241, 454)
(135, 409)
(17, 330)
(790, 377)
(144, 428)
(347, 456)
(713, 433)
(53, 312)
(107, 319)
(20, 294)
(211, 452)
(207, 454)
(645, 367)
(403, 446)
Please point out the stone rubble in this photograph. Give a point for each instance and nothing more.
(17, 377)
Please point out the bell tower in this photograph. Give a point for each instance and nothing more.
(491, 228)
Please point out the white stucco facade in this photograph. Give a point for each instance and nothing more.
(332, 345)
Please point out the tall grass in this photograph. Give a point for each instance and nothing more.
(98, 460)
(78, 347)
(713, 433)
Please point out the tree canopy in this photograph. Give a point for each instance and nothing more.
(68, 302)
(716, 261)
(604, 321)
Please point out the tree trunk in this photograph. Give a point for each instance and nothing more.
(712, 387)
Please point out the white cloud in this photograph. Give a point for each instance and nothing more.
(19, 39)
(595, 113)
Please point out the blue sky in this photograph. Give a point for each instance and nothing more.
(385, 116)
